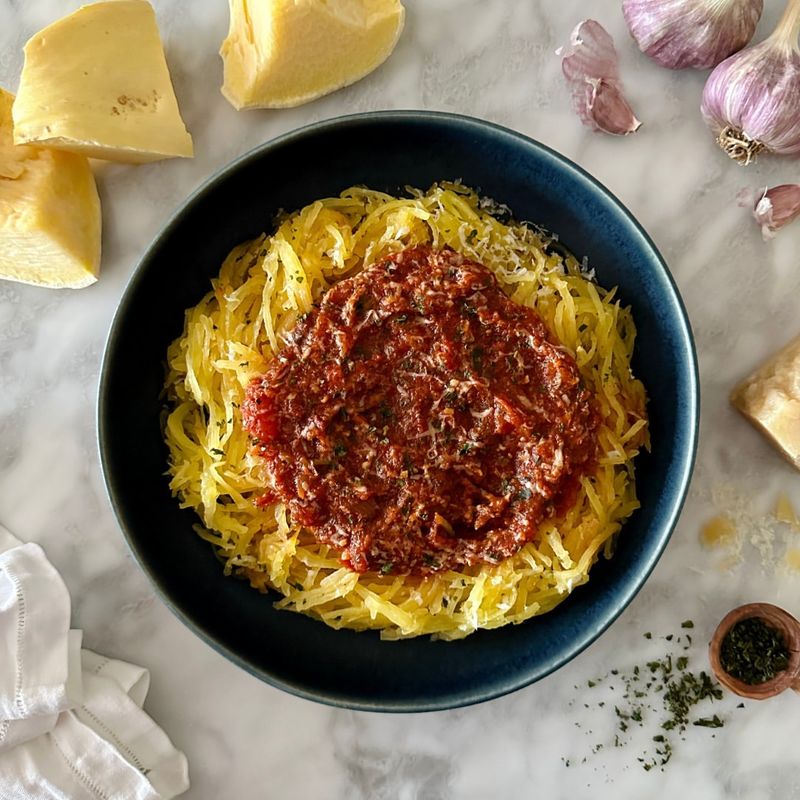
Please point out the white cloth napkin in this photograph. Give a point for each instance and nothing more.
(71, 722)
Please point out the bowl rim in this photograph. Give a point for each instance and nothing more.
(689, 367)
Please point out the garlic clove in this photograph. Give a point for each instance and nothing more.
(609, 111)
(691, 33)
(751, 101)
(589, 64)
(777, 207)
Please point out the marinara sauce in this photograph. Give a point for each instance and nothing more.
(419, 420)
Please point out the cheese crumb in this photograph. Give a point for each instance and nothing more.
(718, 531)
(784, 511)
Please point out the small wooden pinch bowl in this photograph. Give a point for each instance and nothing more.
(783, 622)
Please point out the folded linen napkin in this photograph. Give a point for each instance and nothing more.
(71, 722)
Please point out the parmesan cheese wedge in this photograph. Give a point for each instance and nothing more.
(281, 53)
(96, 82)
(770, 399)
(49, 213)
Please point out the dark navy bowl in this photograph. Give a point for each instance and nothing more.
(387, 151)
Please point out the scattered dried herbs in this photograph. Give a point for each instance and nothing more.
(753, 652)
(662, 697)
(709, 722)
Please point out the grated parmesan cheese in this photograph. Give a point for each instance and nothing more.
(739, 528)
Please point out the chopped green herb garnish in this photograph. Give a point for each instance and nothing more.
(709, 722)
(477, 359)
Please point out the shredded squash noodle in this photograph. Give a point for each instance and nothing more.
(262, 289)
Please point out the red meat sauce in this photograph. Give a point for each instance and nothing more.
(419, 420)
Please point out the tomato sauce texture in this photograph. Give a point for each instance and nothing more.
(419, 420)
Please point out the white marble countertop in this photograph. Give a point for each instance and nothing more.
(244, 739)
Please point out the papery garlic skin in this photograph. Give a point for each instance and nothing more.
(691, 33)
(589, 64)
(777, 207)
(751, 101)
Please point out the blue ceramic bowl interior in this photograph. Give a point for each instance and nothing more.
(387, 151)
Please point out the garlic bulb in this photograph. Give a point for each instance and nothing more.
(589, 64)
(691, 33)
(777, 207)
(751, 101)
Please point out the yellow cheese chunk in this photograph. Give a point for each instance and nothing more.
(770, 399)
(282, 53)
(49, 213)
(96, 82)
